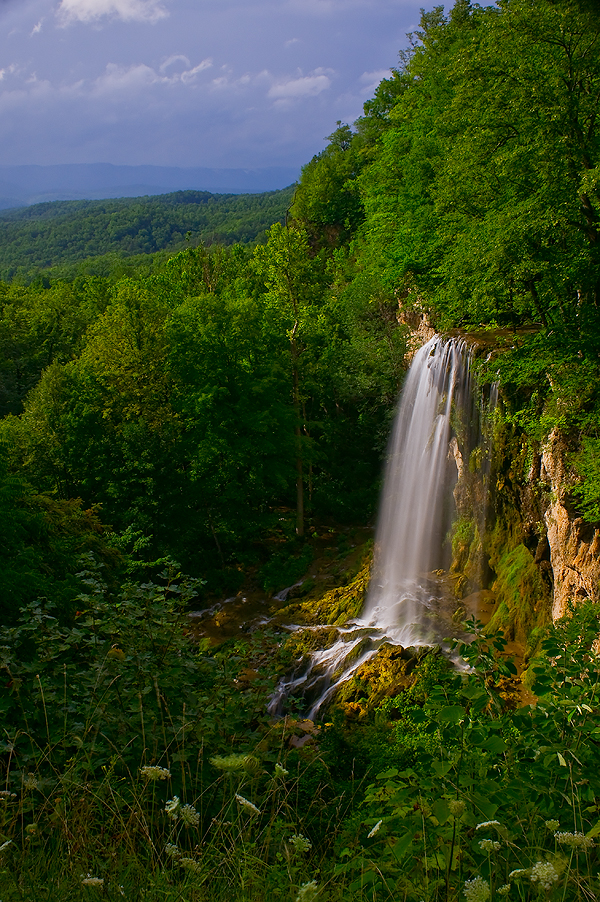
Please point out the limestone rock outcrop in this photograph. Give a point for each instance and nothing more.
(574, 544)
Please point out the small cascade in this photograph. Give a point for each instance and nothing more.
(406, 605)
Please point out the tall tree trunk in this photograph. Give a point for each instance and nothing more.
(299, 461)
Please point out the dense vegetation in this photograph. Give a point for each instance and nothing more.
(209, 412)
(67, 232)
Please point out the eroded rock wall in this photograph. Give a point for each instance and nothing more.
(541, 553)
(574, 544)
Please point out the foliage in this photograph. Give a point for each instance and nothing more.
(500, 798)
(41, 540)
(65, 232)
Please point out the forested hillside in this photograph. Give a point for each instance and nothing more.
(470, 191)
(68, 232)
(202, 424)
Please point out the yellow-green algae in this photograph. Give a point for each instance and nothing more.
(337, 606)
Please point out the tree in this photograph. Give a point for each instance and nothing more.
(294, 283)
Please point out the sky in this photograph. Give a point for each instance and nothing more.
(216, 83)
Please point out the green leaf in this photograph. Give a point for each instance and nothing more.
(494, 744)
(401, 846)
(442, 767)
(561, 760)
(451, 714)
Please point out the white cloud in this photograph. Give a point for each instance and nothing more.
(190, 74)
(7, 70)
(291, 42)
(123, 79)
(370, 80)
(176, 58)
(128, 10)
(131, 79)
(37, 28)
(305, 86)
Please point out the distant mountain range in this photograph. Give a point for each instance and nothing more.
(24, 185)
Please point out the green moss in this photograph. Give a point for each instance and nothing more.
(337, 606)
(522, 596)
(467, 555)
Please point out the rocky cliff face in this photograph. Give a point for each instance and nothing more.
(526, 542)
(574, 544)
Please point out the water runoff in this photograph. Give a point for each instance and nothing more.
(405, 601)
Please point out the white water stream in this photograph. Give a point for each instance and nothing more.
(404, 599)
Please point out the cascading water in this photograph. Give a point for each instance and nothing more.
(403, 603)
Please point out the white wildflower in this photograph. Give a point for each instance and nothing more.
(172, 851)
(92, 881)
(489, 845)
(190, 864)
(6, 796)
(503, 890)
(30, 781)
(300, 843)
(518, 872)
(307, 892)
(457, 807)
(544, 873)
(476, 890)
(574, 840)
(552, 825)
(246, 804)
(189, 816)
(374, 830)
(487, 824)
(172, 807)
(153, 772)
(280, 772)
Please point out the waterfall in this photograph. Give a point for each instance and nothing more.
(417, 506)
(415, 512)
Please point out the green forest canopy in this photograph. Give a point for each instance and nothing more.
(197, 400)
(214, 404)
(69, 232)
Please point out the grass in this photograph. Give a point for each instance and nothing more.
(136, 765)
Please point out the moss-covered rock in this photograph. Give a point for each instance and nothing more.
(521, 594)
(385, 674)
(336, 606)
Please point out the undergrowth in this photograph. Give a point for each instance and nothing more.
(138, 765)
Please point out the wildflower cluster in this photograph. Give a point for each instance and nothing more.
(280, 772)
(172, 851)
(307, 892)
(172, 807)
(552, 825)
(300, 843)
(374, 830)
(574, 840)
(246, 804)
(190, 864)
(6, 796)
(92, 881)
(544, 873)
(153, 772)
(189, 816)
(476, 890)
(487, 824)
(489, 845)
